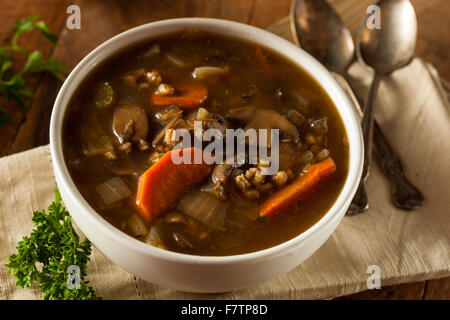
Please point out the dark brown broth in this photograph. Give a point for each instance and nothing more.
(245, 71)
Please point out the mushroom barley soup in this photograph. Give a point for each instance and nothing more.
(119, 139)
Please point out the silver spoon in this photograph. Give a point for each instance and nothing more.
(318, 29)
(387, 49)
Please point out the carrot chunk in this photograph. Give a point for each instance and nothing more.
(165, 182)
(287, 197)
(187, 96)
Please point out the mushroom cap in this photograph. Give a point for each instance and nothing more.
(258, 118)
(130, 122)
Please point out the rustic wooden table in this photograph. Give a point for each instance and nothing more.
(101, 20)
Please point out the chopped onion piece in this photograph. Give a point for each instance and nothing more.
(208, 187)
(95, 141)
(99, 145)
(204, 72)
(176, 61)
(137, 226)
(103, 95)
(204, 208)
(152, 51)
(154, 237)
(113, 190)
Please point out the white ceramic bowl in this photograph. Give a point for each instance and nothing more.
(189, 272)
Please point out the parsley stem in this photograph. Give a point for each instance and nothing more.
(14, 48)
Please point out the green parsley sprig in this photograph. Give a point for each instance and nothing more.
(14, 86)
(44, 257)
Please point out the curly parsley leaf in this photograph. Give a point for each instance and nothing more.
(13, 85)
(44, 257)
(16, 88)
(5, 63)
(24, 25)
(35, 63)
(42, 27)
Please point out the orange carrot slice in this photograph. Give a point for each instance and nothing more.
(187, 96)
(287, 197)
(165, 182)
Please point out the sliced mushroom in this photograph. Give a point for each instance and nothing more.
(257, 118)
(214, 121)
(130, 123)
(221, 172)
(160, 136)
(218, 122)
(219, 177)
(181, 241)
(167, 113)
(297, 119)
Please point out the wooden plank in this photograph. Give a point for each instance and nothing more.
(267, 12)
(10, 11)
(433, 41)
(437, 289)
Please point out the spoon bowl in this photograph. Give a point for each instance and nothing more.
(318, 29)
(392, 46)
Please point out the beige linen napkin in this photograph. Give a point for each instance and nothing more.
(407, 246)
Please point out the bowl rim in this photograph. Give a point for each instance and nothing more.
(239, 31)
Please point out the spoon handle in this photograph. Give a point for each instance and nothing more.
(405, 195)
(360, 202)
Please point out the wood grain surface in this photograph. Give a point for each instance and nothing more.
(101, 20)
